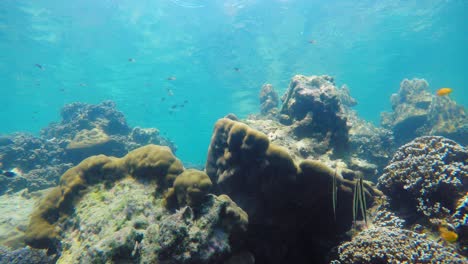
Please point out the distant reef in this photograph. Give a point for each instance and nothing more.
(418, 112)
(84, 130)
(304, 181)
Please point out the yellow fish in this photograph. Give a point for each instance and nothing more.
(448, 235)
(443, 91)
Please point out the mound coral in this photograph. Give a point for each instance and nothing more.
(153, 163)
(266, 182)
(190, 188)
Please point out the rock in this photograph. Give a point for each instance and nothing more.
(313, 103)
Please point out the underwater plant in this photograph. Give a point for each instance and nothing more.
(359, 200)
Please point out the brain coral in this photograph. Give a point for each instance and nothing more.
(429, 176)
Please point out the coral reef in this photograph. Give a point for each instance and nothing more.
(268, 100)
(312, 104)
(153, 163)
(363, 146)
(85, 130)
(25, 255)
(394, 245)
(78, 116)
(182, 238)
(416, 112)
(428, 175)
(107, 209)
(266, 182)
(370, 147)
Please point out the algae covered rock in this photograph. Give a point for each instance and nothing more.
(211, 236)
(110, 209)
(313, 103)
(43, 231)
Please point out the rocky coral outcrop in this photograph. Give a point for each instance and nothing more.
(312, 105)
(79, 116)
(416, 112)
(108, 209)
(287, 204)
(269, 100)
(85, 130)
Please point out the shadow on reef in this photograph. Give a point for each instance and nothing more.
(85, 130)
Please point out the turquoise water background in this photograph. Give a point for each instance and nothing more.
(85, 46)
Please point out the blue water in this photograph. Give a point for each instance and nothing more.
(85, 46)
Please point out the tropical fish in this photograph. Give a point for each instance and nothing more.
(236, 69)
(39, 66)
(131, 60)
(443, 91)
(171, 78)
(447, 235)
(312, 41)
(11, 173)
